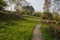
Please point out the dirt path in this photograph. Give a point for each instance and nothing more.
(36, 33)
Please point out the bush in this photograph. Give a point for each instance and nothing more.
(46, 15)
(55, 16)
(24, 12)
(54, 31)
(37, 14)
(43, 15)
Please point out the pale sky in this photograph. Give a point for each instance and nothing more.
(37, 4)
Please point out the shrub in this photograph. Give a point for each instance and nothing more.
(37, 14)
(46, 15)
(55, 16)
(54, 31)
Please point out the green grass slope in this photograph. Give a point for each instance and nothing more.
(13, 27)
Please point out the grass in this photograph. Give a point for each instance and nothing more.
(16, 28)
(50, 30)
(46, 35)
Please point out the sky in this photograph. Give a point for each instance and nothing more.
(37, 4)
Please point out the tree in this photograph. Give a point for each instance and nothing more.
(56, 5)
(16, 2)
(30, 9)
(3, 4)
(11, 2)
(47, 5)
(56, 0)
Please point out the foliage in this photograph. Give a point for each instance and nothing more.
(37, 14)
(3, 4)
(56, 0)
(46, 15)
(42, 14)
(55, 16)
(56, 4)
(28, 9)
(46, 35)
(54, 31)
(22, 12)
(51, 31)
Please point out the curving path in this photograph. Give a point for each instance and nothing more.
(36, 33)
